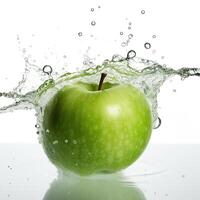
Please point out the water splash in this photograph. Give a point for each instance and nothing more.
(146, 75)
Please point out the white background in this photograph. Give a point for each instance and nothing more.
(51, 28)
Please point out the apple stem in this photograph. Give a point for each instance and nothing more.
(103, 76)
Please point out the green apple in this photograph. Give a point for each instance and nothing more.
(89, 129)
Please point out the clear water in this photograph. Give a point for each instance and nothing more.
(146, 75)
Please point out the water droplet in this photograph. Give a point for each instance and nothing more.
(47, 69)
(143, 12)
(92, 9)
(99, 6)
(123, 44)
(74, 142)
(154, 36)
(37, 132)
(159, 123)
(129, 23)
(93, 23)
(129, 28)
(131, 54)
(26, 59)
(47, 131)
(72, 153)
(174, 90)
(80, 34)
(9, 167)
(147, 45)
(130, 36)
(37, 126)
(121, 33)
(55, 142)
(66, 141)
(117, 58)
(76, 164)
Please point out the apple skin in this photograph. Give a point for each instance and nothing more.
(88, 131)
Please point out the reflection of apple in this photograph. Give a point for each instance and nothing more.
(109, 188)
(88, 130)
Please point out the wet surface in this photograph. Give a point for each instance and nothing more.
(163, 172)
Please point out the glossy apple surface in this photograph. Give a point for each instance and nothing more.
(88, 131)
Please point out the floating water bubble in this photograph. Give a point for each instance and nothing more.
(147, 45)
(153, 36)
(37, 126)
(26, 59)
(123, 44)
(92, 9)
(131, 54)
(143, 12)
(37, 132)
(93, 23)
(121, 33)
(47, 69)
(99, 6)
(129, 27)
(80, 34)
(174, 90)
(130, 36)
(159, 123)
